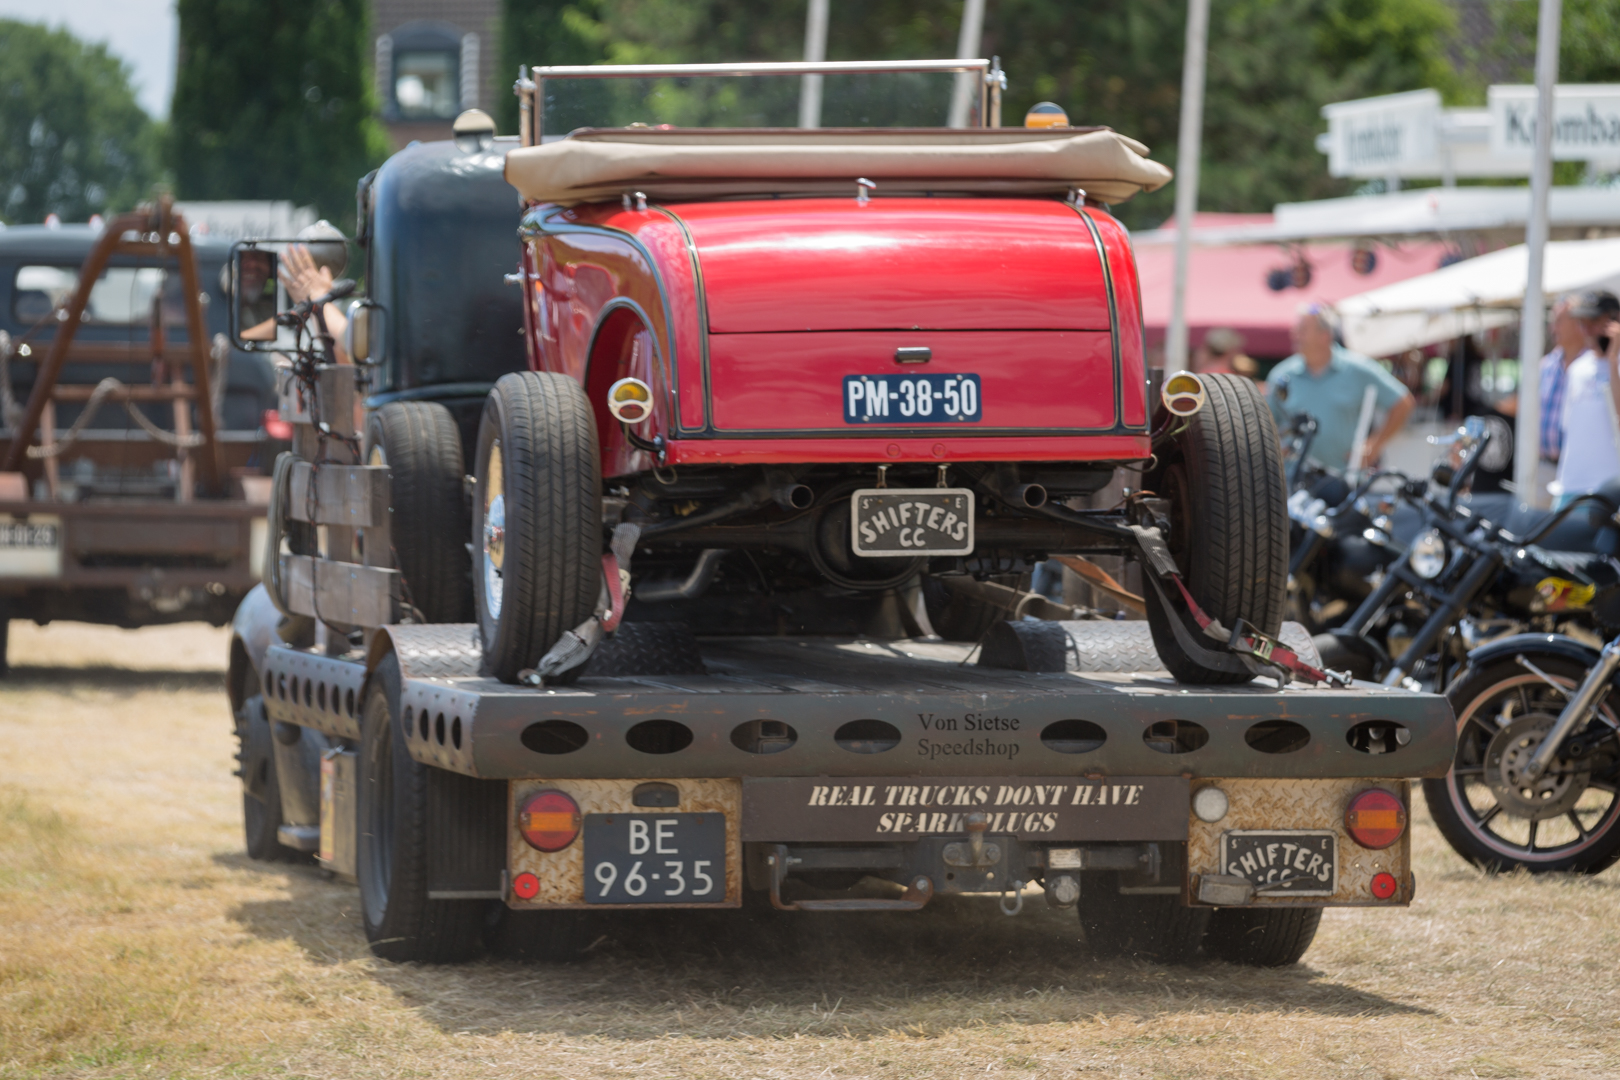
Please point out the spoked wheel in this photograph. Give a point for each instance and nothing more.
(1492, 814)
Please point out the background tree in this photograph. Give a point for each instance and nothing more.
(73, 141)
(273, 101)
(545, 32)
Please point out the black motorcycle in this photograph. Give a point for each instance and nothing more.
(1536, 780)
(1474, 573)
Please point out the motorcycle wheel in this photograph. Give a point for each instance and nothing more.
(1569, 822)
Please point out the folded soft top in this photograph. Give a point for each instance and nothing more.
(687, 163)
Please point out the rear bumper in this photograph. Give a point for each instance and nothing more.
(783, 448)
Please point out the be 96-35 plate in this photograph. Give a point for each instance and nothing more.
(655, 858)
(907, 522)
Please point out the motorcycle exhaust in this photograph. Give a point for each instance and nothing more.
(1183, 394)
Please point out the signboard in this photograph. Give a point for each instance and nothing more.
(1383, 136)
(1586, 122)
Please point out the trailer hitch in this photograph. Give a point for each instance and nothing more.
(779, 862)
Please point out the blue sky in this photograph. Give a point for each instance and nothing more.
(140, 32)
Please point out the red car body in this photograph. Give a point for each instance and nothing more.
(745, 316)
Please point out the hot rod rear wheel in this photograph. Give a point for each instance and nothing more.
(1223, 478)
(537, 518)
(1153, 926)
(1262, 937)
(421, 446)
(397, 793)
(1578, 831)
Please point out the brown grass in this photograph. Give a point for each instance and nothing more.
(135, 939)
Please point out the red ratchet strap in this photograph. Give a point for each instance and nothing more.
(1245, 640)
(615, 579)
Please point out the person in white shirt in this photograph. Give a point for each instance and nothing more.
(1590, 456)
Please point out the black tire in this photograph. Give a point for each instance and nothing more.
(1462, 803)
(956, 617)
(543, 577)
(1152, 927)
(1261, 937)
(1228, 521)
(393, 830)
(420, 444)
(261, 787)
(545, 936)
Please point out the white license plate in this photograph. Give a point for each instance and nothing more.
(31, 546)
(1283, 862)
(907, 522)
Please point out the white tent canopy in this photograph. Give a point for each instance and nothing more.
(1476, 294)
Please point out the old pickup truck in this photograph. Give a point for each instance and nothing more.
(722, 590)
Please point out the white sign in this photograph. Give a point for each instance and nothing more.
(1586, 122)
(1381, 136)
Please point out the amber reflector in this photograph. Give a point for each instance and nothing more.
(549, 820)
(1375, 819)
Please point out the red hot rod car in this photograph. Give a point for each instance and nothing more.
(875, 364)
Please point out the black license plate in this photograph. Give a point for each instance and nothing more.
(911, 399)
(887, 522)
(1283, 862)
(655, 858)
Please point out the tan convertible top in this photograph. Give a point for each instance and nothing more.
(690, 163)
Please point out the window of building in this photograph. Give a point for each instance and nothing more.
(426, 84)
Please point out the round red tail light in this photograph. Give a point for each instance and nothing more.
(1375, 819)
(549, 820)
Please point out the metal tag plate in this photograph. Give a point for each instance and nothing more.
(655, 858)
(908, 522)
(1283, 862)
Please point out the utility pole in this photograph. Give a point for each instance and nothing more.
(967, 90)
(1188, 148)
(1533, 322)
(815, 51)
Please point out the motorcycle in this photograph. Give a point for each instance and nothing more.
(1464, 580)
(1535, 784)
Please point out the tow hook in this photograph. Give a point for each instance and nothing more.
(1015, 889)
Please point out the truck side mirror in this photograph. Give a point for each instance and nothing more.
(252, 292)
(360, 338)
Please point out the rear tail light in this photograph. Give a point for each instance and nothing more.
(1183, 393)
(630, 401)
(275, 427)
(1375, 819)
(549, 820)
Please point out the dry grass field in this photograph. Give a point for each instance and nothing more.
(136, 940)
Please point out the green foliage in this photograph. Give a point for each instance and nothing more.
(1589, 40)
(1272, 65)
(73, 141)
(272, 101)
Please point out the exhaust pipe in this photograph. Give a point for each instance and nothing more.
(794, 497)
(1183, 394)
(1030, 495)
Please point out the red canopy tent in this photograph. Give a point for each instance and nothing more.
(1227, 286)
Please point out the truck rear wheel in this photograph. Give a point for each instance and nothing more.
(1153, 927)
(547, 936)
(1262, 937)
(421, 446)
(1223, 478)
(537, 518)
(397, 796)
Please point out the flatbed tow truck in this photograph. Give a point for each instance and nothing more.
(687, 677)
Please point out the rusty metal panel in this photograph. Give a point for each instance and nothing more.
(320, 692)
(1263, 804)
(888, 808)
(155, 535)
(562, 873)
(353, 495)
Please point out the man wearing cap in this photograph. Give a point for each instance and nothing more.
(1590, 417)
(1330, 382)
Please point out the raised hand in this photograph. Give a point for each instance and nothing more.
(301, 277)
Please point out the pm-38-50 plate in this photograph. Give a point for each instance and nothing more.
(908, 522)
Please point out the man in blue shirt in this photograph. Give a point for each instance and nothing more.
(1330, 382)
